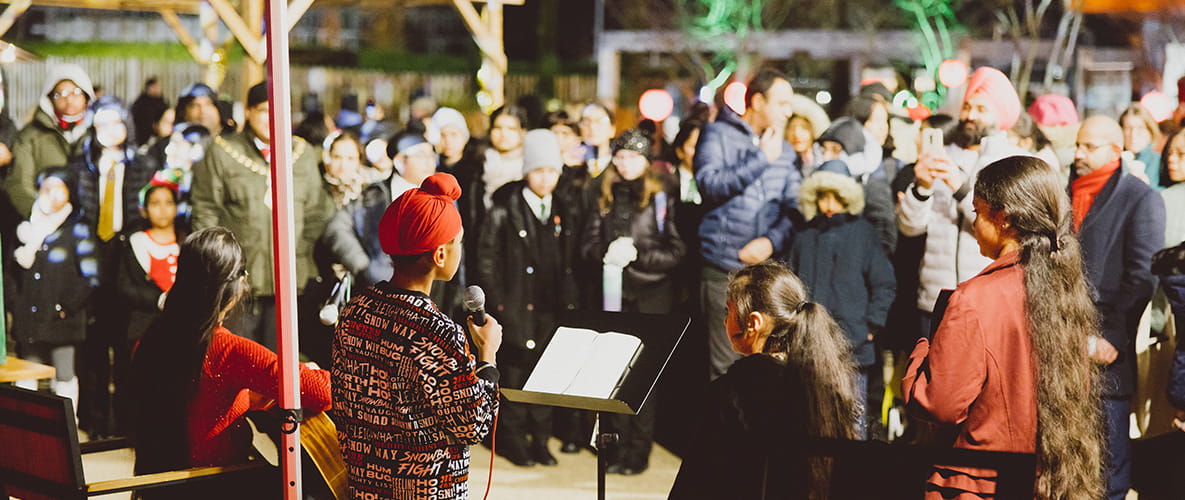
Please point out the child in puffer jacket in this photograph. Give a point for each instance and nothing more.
(843, 264)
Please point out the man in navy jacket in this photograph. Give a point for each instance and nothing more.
(1120, 221)
(744, 169)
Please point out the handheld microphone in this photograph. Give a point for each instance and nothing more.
(475, 303)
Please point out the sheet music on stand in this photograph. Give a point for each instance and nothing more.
(602, 361)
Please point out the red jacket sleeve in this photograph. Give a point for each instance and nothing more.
(946, 375)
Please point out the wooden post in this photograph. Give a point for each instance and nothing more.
(486, 29)
(252, 12)
(215, 69)
(494, 60)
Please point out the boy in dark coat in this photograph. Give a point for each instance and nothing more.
(840, 259)
(525, 266)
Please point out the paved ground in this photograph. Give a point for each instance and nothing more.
(574, 478)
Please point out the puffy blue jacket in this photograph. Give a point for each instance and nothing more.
(746, 195)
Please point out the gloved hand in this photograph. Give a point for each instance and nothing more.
(621, 252)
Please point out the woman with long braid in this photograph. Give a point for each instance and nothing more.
(1008, 366)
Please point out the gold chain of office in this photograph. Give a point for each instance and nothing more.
(298, 149)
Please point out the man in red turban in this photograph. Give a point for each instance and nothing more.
(938, 203)
(990, 104)
(410, 397)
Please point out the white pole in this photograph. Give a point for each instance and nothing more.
(284, 241)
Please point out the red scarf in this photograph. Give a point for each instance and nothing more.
(1086, 188)
(65, 125)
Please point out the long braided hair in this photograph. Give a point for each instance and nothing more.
(1060, 315)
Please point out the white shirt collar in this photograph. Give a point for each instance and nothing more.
(536, 203)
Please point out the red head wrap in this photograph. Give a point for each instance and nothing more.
(1053, 110)
(998, 89)
(422, 219)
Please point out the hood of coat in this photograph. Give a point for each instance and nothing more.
(847, 189)
(72, 72)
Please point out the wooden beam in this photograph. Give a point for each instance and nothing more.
(244, 34)
(174, 22)
(296, 10)
(165, 478)
(472, 19)
(14, 10)
(181, 6)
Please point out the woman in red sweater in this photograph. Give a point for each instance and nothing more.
(193, 379)
(1008, 366)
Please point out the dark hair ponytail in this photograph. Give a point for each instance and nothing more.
(817, 355)
(1060, 315)
(167, 364)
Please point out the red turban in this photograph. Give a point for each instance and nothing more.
(422, 219)
(1053, 110)
(998, 89)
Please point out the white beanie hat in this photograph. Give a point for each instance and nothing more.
(541, 150)
(445, 117)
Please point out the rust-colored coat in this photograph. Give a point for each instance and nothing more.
(978, 373)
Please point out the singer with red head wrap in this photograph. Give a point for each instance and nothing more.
(412, 397)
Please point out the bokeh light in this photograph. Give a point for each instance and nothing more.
(734, 97)
(656, 104)
(952, 73)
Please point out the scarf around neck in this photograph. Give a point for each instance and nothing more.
(32, 233)
(1086, 188)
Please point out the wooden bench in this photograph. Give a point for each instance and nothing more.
(41, 458)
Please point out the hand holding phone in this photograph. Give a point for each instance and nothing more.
(931, 141)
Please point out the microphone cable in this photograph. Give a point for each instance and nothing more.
(493, 446)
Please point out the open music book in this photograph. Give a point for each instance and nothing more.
(582, 362)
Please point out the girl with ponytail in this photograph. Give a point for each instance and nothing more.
(1008, 364)
(795, 382)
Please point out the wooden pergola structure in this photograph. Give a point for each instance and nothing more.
(244, 20)
(246, 23)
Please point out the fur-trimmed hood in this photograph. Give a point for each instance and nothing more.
(849, 191)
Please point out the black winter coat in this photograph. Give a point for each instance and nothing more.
(352, 236)
(1174, 289)
(843, 264)
(749, 417)
(468, 172)
(1122, 230)
(138, 171)
(508, 257)
(49, 300)
(660, 251)
(135, 290)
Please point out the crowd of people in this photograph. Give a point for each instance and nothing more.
(785, 235)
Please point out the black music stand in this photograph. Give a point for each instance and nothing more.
(660, 335)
